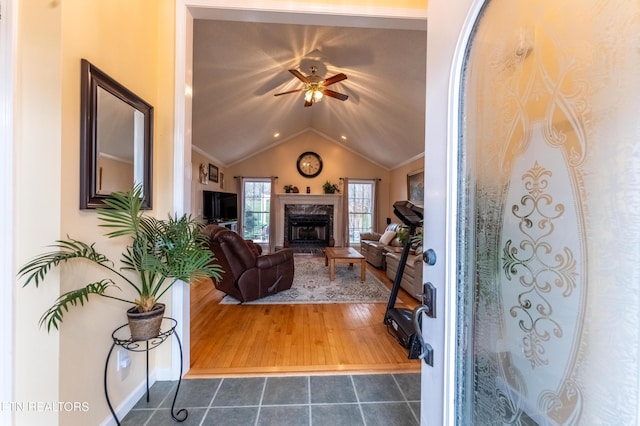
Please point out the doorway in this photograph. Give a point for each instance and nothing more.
(184, 28)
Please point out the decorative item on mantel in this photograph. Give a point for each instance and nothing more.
(288, 188)
(160, 252)
(330, 188)
(295, 190)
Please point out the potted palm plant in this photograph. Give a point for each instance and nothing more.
(160, 253)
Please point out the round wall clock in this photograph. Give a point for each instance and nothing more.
(309, 164)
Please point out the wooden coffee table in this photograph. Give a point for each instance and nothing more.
(331, 254)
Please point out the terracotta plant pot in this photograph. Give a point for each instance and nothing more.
(145, 325)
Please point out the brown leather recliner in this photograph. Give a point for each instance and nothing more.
(248, 275)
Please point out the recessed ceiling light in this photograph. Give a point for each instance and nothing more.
(343, 137)
(276, 135)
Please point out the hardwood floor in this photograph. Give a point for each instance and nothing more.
(237, 340)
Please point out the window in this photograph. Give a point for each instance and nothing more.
(257, 197)
(361, 204)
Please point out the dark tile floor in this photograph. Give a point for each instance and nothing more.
(374, 399)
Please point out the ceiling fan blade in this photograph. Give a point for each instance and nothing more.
(336, 78)
(290, 91)
(336, 95)
(300, 76)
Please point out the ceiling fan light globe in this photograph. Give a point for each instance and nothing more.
(313, 95)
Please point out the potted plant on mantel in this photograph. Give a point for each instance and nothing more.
(160, 253)
(330, 188)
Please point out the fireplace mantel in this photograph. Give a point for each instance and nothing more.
(309, 198)
(325, 199)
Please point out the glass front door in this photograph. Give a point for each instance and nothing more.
(548, 224)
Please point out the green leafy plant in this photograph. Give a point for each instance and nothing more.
(330, 188)
(402, 234)
(418, 237)
(161, 253)
(288, 188)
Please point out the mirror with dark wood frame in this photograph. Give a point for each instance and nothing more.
(116, 139)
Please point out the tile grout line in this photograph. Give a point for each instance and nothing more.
(208, 408)
(264, 388)
(304, 404)
(404, 395)
(156, 408)
(309, 400)
(355, 392)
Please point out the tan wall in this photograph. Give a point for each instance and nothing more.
(123, 38)
(113, 175)
(337, 162)
(410, 4)
(36, 213)
(133, 41)
(130, 56)
(399, 179)
(225, 183)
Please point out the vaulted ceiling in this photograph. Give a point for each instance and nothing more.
(239, 66)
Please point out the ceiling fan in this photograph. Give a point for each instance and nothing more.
(315, 87)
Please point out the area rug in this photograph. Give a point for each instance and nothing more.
(311, 285)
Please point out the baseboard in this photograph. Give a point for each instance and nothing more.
(163, 374)
(130, 401)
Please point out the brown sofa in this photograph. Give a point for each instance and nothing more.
(373, 249)
(248, 274)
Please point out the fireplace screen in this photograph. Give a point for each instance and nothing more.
(308, 230)
(308, 225)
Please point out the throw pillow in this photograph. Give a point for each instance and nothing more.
(387, 237)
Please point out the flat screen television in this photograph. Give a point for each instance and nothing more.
(219, 206)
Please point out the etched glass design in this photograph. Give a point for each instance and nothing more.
(549, 226)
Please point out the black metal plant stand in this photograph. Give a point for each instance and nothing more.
(145, 346)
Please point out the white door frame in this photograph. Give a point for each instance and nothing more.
(267, 11)
(8, 40)
(449, 28)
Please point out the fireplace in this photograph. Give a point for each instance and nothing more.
(307, 230)
(308, 225)
(309, 204)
